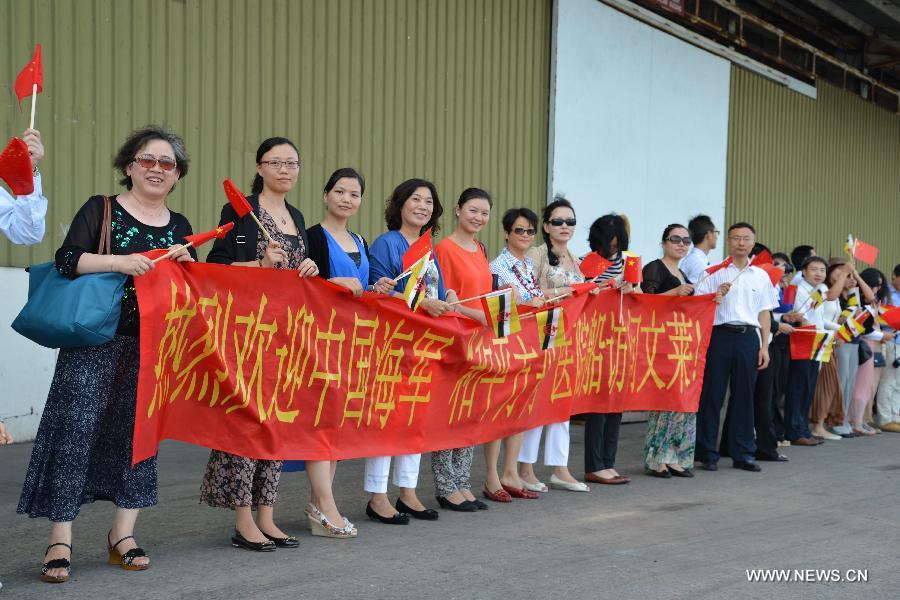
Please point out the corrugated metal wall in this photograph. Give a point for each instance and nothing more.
(807, 171)
(456, 92)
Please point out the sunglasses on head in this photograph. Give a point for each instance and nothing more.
(148, 161)
(561, 222)
(522, 231)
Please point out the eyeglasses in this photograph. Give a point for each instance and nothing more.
(292, 165)
(741, 238)
(561, 222)
(522, 231)
(148, 161)
(674, 239)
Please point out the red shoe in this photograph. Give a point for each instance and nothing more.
(498, 496)
(521, 493)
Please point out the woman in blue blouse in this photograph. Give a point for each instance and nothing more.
(342, 258)
(412, 209)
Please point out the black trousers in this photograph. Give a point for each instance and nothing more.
(802, 378)
(731, 359)
(780, 359)
(763, 421)
(601, 440)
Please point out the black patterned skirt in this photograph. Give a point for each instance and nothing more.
(82, 452)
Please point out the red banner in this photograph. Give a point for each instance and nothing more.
(261, 363)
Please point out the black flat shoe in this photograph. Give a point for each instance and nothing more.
(464, 506)
(682, 473)
(778, 458)
(398, 519)
(747, 466)
(479, 504)
(239, 541)
(709, 466)
(661, 474)
(285, 542)
(429, 514)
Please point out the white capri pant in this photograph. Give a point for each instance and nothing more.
(406, 472)
(556, 445)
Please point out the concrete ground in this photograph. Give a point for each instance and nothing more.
(836, 506)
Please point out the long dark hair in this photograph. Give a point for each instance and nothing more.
(872, 277)
(558, 202)
(606, 229)
(348, 173)
(257, 186)
(393, 207)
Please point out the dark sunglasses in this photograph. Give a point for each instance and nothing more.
(561, 222)
(674, 239)
(522, 231)
(148, 161)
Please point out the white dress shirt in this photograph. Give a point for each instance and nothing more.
(22, 218)
(814, 316)
(694, 264)
(750, 294)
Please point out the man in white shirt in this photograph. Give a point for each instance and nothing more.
(705, 237)
(22, 218)
(735, 351)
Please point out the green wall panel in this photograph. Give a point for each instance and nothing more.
(456, 92)
(806, 170)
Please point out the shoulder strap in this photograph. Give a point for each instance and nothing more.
(106, 228)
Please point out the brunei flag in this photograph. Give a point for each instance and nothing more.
(853, 299)
(550, 327)
(815, 300)
(854, 326)
(502, 315)
(809, 344)
(414, 292)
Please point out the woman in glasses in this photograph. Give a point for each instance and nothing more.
(236, 482)
(669, 444)
(82, 452)
(515, 270)
(556, 269)
(870, 342)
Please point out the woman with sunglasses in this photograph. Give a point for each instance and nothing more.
(669, 444)
(236, 482)
(556, 269)
(513, 269)
(82, 452)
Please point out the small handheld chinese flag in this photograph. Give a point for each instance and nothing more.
(867, 253)
(15, 167)
(725, 263)
(763, 258)
(198, 239)
(891, 317)
(30, 80)
(583, 288)
(788, 298)
(633, 272)
(775, 273)
(237, 199)
(417, 250)
(594, 266)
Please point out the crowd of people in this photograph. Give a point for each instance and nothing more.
(83, 448)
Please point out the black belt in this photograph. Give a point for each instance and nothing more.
(735, 328)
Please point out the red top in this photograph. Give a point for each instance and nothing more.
(468, 273)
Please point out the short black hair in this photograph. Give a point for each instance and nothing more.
(606, 229)
(699, 226)
(393, 206)
(669, 229)
(510, 217)
(813, 259)
(742, 225)
(897, 270)
(788, 265)
(801, 253)
(138, 139)
(471, 194)
(345, 172)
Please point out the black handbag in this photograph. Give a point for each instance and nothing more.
(865, 352)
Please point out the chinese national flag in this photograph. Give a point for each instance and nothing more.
(583, 288)
(892, 317)
(774, 273)
(633, 273)
(725, 263)
(594, 266)
(865, 252)
(198, 239)
(803, 343)
(763, 258)
(237, 199)
(417, 250)
(790, 295)
(33, 73)
(15, 167)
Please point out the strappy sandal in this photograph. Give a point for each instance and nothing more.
(127, 559)
(56, 563)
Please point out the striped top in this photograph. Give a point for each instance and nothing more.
(615, 270)
(750, 294)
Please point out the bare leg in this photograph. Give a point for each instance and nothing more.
(511, 460)
(381, 504)
(564, 474)
(265, 520)
(59, 532)
(320, 474)
(526, 472)
(123, 525)
(491, 455)
(246, 526)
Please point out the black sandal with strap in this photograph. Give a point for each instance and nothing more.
(127, 559)
(56, 563)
